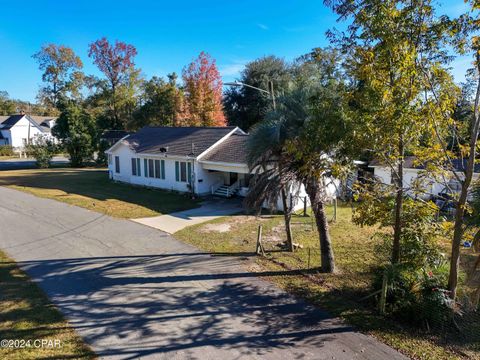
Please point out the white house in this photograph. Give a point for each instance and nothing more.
(18, 130)
(416, 172)
(201, 160)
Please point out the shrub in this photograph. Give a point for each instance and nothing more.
(418, 241)
(418, 296)
(42, 149)
(6, 150)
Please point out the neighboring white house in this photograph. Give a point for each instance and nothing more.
(18, 130)
(201, 160)
(432, 186)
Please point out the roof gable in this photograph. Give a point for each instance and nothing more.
(231, 150)
(12, 120)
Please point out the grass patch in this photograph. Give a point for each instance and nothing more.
(339, 293)
(27, 314)
(91, 189)
(8, 157)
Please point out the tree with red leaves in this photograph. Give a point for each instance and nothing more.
(115, 61)
(203, 91)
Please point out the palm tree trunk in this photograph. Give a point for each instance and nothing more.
(287, 213)
(315, 193)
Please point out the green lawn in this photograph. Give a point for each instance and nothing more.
(91, 189)
(339, 293)
(26, 314)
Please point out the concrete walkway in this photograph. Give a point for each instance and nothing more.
(135, 292)
(209, 210)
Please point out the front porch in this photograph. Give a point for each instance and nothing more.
(231, 184)
(231, 179)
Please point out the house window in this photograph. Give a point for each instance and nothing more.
(117, 164)
(157, 169)
(154, 168)
(145, 167)
(150, 168)
(134, 167)
(183, 171)
(109, 159)
(136, 170)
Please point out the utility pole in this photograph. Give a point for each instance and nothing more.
(272, 94)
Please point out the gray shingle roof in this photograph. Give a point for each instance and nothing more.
(410, 162)
(10, 121)
(176, 140)
(6, 122)
(232, 150)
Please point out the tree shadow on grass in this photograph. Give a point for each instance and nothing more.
(96, 185)
(360, 310)
(27, 314)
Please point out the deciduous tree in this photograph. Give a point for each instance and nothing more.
(468, 41)
(390, 46)
(7, 106)
(162, 103)
(116, 62)
(61, 73)
(203, 92)
(76, 130)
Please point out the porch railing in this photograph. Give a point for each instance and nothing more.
(232, 188)
(215, 186)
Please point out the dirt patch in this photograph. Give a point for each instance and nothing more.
(221, 228)
(276, 235)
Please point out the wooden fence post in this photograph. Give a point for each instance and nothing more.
(308, 266)
(335, 209)
(383, 294)
(259, 248)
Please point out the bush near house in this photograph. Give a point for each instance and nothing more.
(42, 149)
(6, 150)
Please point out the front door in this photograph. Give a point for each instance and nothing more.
(232, 178)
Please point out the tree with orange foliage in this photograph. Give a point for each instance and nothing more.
(203, 92)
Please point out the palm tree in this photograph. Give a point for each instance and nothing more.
(304, 142)
(264, 149)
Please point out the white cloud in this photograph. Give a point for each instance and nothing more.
(263, 26)
(233, 69)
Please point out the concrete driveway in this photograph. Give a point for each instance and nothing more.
(135, 292)
(209, 210)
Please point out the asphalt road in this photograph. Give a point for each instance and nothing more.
(135, 292)
(18, 164)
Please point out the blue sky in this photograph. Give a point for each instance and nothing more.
(167, 34)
